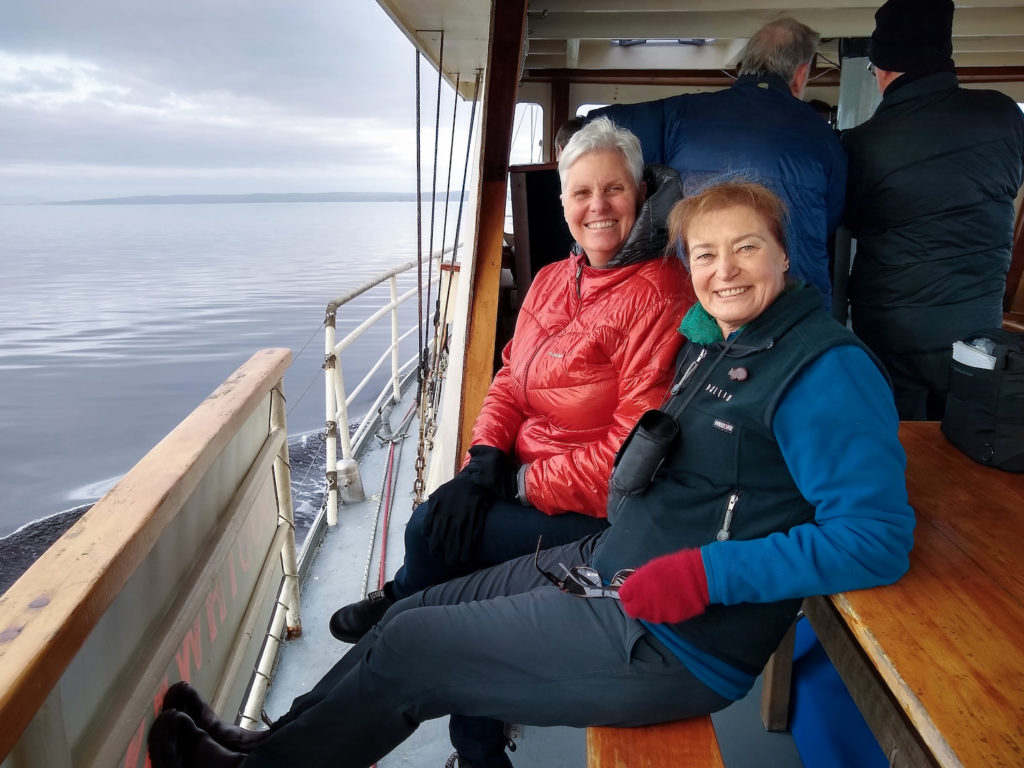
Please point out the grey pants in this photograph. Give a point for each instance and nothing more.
(502, 643)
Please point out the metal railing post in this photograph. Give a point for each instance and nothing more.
(286, 513)
(330, 414)
(339, 391)
(395, 388)
(343, 481)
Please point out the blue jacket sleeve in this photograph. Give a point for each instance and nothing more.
(837, 429)
(835, 200)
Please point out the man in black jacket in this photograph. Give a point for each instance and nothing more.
(932, 179)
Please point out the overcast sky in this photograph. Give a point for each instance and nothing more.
(129, 97)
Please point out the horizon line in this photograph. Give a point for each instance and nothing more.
(254, 197)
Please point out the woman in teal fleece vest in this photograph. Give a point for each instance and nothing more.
(772, 472)
(786, 479)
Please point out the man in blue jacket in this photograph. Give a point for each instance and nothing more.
(759, 130)
(933, 175)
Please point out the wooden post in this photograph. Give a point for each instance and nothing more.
(508, 29)
(775, 687)
(559, 112)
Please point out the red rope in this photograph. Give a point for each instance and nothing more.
(387, 507)
(387, 516)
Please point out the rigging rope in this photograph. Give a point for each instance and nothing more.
(448, 186)
(424, 352)
(438, 355)
(465, 174)
(419, 230)
(440, 339)
(429, 406)
(428, 379)
(418, 485)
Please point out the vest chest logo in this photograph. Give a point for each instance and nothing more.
(725, 426)
(718, 392)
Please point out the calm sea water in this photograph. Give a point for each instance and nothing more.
(116, 321)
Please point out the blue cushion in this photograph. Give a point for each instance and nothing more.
(825, 723)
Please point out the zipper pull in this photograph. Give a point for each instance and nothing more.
(689, 371)
(724, 533)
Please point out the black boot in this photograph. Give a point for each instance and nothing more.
(184, 698)
(457, 761)
(176, 742)
(350, 623)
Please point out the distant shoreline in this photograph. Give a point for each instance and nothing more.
(298, 197)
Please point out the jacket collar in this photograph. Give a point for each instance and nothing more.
(764, 80)
(912, 89)
(796, 301)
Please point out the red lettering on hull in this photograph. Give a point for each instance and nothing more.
(191, 646)
(188, 660)
(231, 573)
(215, 598)
(134, 751)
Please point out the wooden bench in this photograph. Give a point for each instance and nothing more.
(689, 743)
(935, 662)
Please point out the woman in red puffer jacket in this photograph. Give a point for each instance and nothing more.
(593, 349)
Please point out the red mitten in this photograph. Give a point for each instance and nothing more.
(668, 589)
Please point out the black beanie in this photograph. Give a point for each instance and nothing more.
(913, 35)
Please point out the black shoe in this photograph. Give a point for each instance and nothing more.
(176, 742)
(455, 761)
(350, 623)
(184, 698)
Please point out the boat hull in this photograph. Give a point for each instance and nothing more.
(172, 575)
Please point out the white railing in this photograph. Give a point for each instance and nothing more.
(337, 400)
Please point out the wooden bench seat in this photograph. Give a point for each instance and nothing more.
(691, 742)
(687, 743)
(934, 662)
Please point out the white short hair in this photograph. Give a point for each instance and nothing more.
(599, 135)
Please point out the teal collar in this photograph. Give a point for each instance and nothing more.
(701, 328)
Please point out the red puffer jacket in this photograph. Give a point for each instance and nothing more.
(593, 349)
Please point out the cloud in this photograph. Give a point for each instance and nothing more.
(204, 96)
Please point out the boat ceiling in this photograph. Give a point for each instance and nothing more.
(607, 40)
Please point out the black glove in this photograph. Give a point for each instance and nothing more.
(492, 469)
(455, 517)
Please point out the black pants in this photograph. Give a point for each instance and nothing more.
(510, 531)
(503, 644)
(920, 382)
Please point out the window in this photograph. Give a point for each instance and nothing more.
(527, 135)
(584, 109)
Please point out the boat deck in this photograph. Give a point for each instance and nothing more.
(336, 577)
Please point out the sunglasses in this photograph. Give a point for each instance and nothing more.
(582, 580)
